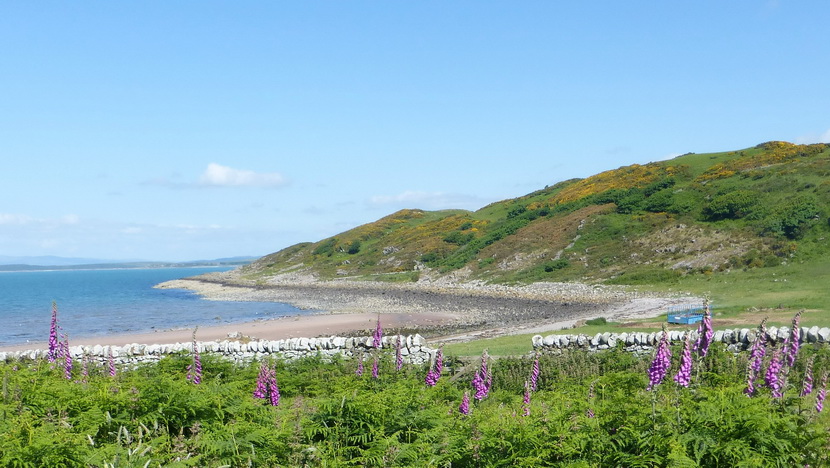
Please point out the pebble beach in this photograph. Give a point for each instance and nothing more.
(442, 310)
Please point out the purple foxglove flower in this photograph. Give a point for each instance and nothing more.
(398, 354)
(807, 383)
(756, 358)
(822, 393)
(684, 375)
(772, 378)
(67, 358)
(526, 400)
(378, 335)
(759, 348)
(534, 374)
(590, 413)
(261, 390)
(359, 371)
(375, 368)
(266, 385)
(464, 407)
(795, 337)
(704, 332)
(435, 373)
(111, 362)
(53, 334)
(273, 389)
(661, 363)
(194, 371)
(483, 379)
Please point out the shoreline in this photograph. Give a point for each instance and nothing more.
(295, 326)
(441, 311)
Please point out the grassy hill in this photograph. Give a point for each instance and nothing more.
(703, 222)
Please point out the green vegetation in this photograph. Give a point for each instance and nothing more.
(588, 410)
(691, 222)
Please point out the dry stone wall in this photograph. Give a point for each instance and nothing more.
(414, 349)
(737, 339)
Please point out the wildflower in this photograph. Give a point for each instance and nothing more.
(526, 399)
(111, 362)
(53, 334)
(534, 374)
(273, 389)
(398, 353)
(661, 363)
(772, 378)
(261, 390)
(359, 371)
(590, 413)
(483, 379)
(266, 385)
(684, 375)
(194, 371)
(67, 358)
(375, 368)
(756, 358)
(435, 372)
(795, 335)
(464, 407)
(378, 335)
(807, 383)
(704, 332)
(822, 393)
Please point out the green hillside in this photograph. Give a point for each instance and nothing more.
(716, 218)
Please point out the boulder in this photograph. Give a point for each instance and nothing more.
(812, 334)
(727, 336)
(418, 340)
(824, 334)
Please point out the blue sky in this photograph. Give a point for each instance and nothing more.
(171, 130)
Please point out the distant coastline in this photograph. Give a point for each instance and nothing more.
(16, 268)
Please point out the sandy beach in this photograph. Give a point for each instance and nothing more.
(442, 312)
(286, 327)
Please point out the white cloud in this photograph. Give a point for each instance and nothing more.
(217, 175)
(814, 138)
(10, 219)
(429, 200)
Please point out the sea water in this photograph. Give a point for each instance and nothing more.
(104, 302)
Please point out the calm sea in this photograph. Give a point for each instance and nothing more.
(104, 302)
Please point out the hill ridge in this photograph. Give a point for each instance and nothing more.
(705, 214)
